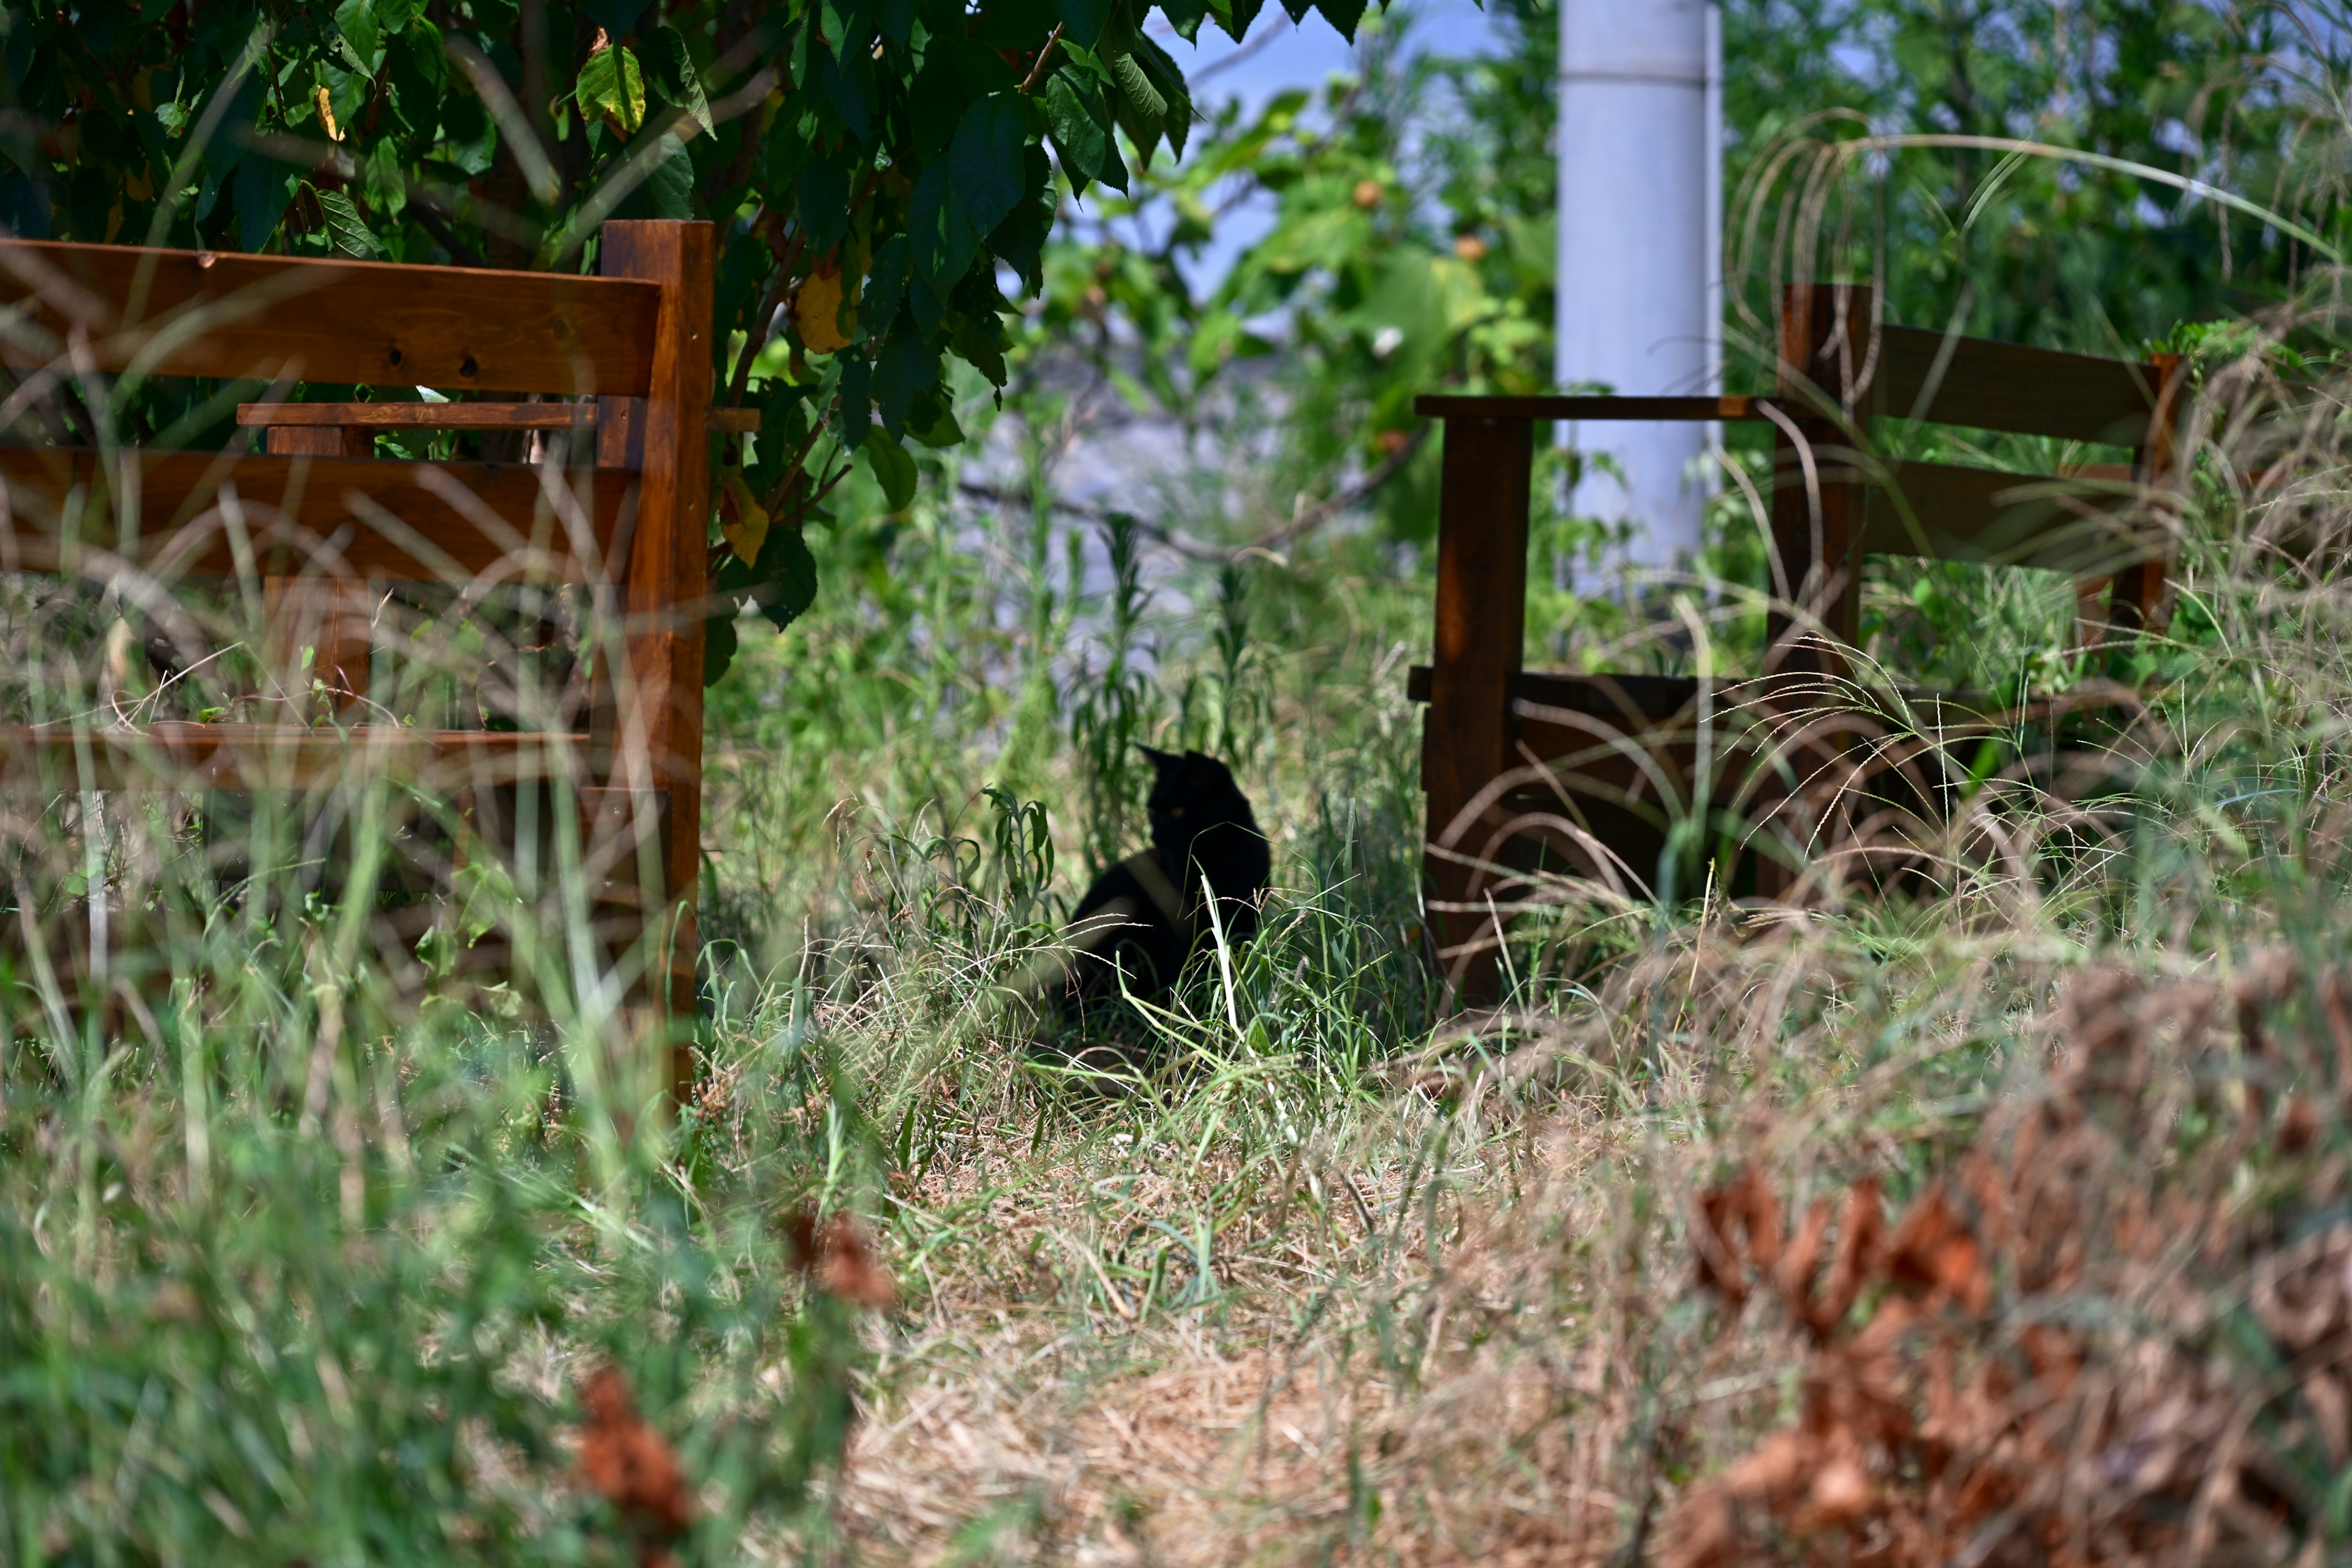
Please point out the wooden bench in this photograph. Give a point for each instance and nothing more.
(1606, 770)
(319, 526)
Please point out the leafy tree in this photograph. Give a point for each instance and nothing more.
(880, 171)
(1396, 261)
(2020, 245)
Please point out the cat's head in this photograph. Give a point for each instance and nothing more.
(1193, 792)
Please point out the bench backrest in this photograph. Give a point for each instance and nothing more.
(1835, 503)
(634, 344)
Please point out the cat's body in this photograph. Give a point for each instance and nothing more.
(1145, 917)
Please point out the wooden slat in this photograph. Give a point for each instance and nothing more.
(1647, 696)
(1816, 506)
(298, 511)
(272, 318)
(660, 728)
(1981, 515)
(1482, 601)
(262, 756)
(2009, 386)
(458, 416)
(1450, 406)
(330, 617)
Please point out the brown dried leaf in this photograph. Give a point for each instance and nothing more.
(1703, 1531)
(837, 1256)
(1933, 1250)
(1802, 1256)
(1772, 1474)
(2298, 1129)
(850, 1269)
(628, 1463)
(1861, 1227)
(1737, 1226)
(1841, 1496)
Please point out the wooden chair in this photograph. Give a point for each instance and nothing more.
(1600, 767)
(322, 525)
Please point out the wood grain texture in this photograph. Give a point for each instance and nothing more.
(660, 719)
(270, 756)
(1988, 386)
(1824, 346)
(300, 515)
(330, 617)
(1663, 409)
(2136, 594)
(458, 416)
(1945, 511)
(1481, 621)
(273, 317)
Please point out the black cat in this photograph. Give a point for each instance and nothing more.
(1147, 915)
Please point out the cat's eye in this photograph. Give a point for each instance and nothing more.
(1176, 811)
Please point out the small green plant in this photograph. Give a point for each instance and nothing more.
(1113, 710)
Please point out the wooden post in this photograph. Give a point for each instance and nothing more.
(1816, 504)
(1817, 515)
(1482, 609)
(328, 615)
(659, 726)
(2132, 602)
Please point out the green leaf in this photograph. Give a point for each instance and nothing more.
(1081, 129)
(384, 179)
(850, 87)
(1019, 241)
(393, 15)
(469, 137)
(1142, 110)
(853, 416)
(791, 573)
(355, 19)
(1154, 85)
(1082, 20)
(671, 78)
(941, 430)
(1343, 14)
(820, 200)
(893, 468)
(1236, 18)
(261, 188)
(985, 158)
(939, 229)
(417, 64)
(781, 584)
(1186, 16)
(666, 188)
(718, 645)
(345, 231)
(907, 367)
(612, 87)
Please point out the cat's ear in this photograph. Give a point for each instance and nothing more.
(1164, 761)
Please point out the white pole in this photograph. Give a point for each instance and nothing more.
(1639, 286)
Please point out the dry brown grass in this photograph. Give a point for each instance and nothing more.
(1473, 1316)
